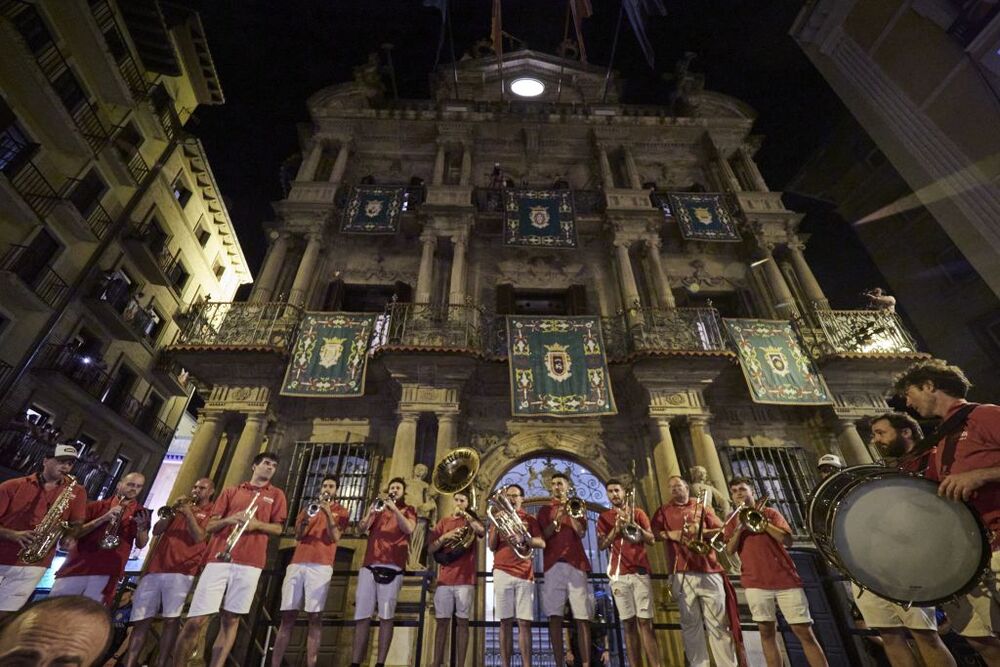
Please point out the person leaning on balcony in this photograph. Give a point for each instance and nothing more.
(879, 300)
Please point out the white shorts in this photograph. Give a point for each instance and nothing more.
(977, 613)
(17, 584)
(513, 596)
(565, 582)
(370, 594)
(633, 595)
(88, 585)
(160, 594)
(792, 602)
(305, 587)
(226, 586)
(455, 600)
(880, 613)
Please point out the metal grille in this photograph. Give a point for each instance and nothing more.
(353, 464)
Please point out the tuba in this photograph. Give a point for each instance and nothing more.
(50, 528)
(501, 512)
(454, 473)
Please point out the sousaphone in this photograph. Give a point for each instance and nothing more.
(455, 473)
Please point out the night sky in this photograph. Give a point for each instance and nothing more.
(272, 55)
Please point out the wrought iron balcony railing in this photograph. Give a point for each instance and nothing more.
(104, 16)
(421, 325)
(30, 183)
(862, 332)
(35, 272)
(663, 330)
(585, 202)
(22, 450)
(119, 296)
(241, 325)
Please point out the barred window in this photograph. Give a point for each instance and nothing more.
(354, 465)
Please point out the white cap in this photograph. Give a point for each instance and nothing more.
(65, 450)
(830, 460)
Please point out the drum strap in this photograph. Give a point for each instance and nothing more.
(949, 427)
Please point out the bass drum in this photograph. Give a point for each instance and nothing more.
(889, 532)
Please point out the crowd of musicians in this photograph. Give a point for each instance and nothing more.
(212, 546)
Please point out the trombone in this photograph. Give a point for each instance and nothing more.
(698, 544)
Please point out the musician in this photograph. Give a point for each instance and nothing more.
(174, 563)
(307, 579)
(566, 566)
(769, 577)
(697, 580)
(514, 582)
(456, 580)
(24, 503)
(381, 575)
(628, 570)
(91, 570)
(829, 464)
(966, 462)
(230, 585)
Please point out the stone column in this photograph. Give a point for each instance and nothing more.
(663, 292)
(851, 444)
(425, 274)
(808, 280)
(785, 304)
(705, 453)
(456, 296)
(438, 177)
(607, 177)
(247, 447)
(664, 458)
(751, 170)
(264, 287)
(466, 176)
(306, 270)
(445, 442)
(340, 165)
(730, 181)
(404, 447)
(630, 291)
(200, 453)
(307, 170)
(635, 181)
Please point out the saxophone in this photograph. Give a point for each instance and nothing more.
(50, 528)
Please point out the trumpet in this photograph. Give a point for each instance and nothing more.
(169, 511)
(574, 504)
(226, 555)
(752, 516)
(112, 534)
(501, 512)
(380, 503)
(313, 508)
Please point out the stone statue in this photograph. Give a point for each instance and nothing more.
(716, 498)
(420, 495)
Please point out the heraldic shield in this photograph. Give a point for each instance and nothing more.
(702, 217)
(373, 209)
(330, 356)
(539, 218)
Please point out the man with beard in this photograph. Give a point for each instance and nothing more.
(895, 434)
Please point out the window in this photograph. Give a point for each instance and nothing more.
(85, 443)
(203, 236)
(33, 29)
(181, 191)
(178, 276)
(15, 146)
(354, 465)
(115, 471)
(88, 192)
(69, 90)
(37, 416)
(219, 269)
(154, 236)
(153, 324)
(128, 140)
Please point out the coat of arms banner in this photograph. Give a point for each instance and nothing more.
(330, 356)
(774, 364)
(703, 217)
(373, 209)
(558, 367)
(539, 218)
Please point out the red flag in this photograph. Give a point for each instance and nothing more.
(496, 29)
(581, 9)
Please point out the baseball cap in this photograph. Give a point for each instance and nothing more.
(65, 450)
(830, 460)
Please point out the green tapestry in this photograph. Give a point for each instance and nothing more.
(558, 367)
(373, 209)
(539, 218)
(776, 368)
(703, 217)
(330, 355)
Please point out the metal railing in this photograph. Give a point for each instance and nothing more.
(26, 178)
(119, 296)
(585, 202)
(93, 212)
(35, 272)
(668, 329)
(51, 62)
(163, 106)
(158, 244)
(104, 16)
(354, 464)
(862, 331)
(240, 324)
(423, 325)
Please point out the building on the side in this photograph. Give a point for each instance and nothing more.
(111, 227)
(441, 286)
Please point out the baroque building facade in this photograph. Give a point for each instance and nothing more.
(437, 373)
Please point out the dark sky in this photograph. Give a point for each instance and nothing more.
(271, 55)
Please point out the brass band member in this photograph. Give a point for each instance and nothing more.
(250, 513)
(514, 582)
(318, 528)
(24, 504)
(98, 556)
(629, 570)
(566, 566)
(769, 577)
(456, 580)
(175, 562)
(697, 580)
(389, 523)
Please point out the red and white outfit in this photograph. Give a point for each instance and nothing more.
(24, 501)
(456, 581)
(566, 566)
(628, 568)
(388, 547)
(307, 579)
(90, 570)
(768, 574)
(977, 446)
(698, 587)
(514, 577)
(170, 573)
(231, 586)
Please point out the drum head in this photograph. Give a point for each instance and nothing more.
(899, 539)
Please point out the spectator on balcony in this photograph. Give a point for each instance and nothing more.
(879, 300)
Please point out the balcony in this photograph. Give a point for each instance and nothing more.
(170, 376)
(89, 224)
(585, 202)
(22, 448)
(411, 327)
(26, 196)
(313, 192)
(861, 334)
(124, 157)
(149, 248)
(84, 115)
(666, 331)
(121, 60)
(27, 278)
(118, 312)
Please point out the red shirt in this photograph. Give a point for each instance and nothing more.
(564, 546)
(317, 545)
(462, 571)
(672, 517)
(176, 551)
(978, 447)
(504, 558)
(623, 556)
(387, 544)
(88, 558)
(23, 504)
(251, 549)
(765, 562)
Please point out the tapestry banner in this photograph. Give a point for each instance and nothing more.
(703, 217)
(330, 356)
(774, 364)
(373, 209)
(539, 218)
(558, 367)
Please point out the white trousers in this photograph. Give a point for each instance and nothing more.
(701, 600)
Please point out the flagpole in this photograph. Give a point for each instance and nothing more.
(614, 49)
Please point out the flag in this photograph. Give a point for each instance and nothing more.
(581, 9)
(638, 11)
(496, 29)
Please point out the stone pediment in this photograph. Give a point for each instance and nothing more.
(710, 104)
